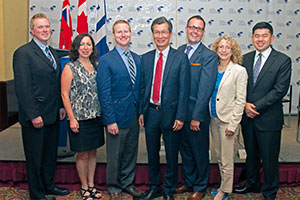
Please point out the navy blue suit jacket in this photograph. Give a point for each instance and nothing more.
(175, 87)
(118, 96)
(203, 66)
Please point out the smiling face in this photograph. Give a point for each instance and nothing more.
(224, 50)
(122, 35)
(194, 31)
(41, 30)
(161, 36)
(85, 48)
(262, 39)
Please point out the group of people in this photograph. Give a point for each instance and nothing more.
(179, 95)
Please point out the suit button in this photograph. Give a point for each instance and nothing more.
(217, 99)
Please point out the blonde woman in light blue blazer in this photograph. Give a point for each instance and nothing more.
(226, 109)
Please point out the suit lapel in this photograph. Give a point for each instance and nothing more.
(196, 55)
(150, 63)
(121, 63)
(226, 74)
(168, 65)
(39, 52)
(266, 67)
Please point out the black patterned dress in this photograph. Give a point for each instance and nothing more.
(86, 109)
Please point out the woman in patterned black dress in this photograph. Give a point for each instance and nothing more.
(79, 95)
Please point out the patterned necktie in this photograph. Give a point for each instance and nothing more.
(47, 50)
(157, 79)
(131, 66)
(188, 49)
(256, 68)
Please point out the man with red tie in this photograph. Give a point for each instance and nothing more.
(164, 92)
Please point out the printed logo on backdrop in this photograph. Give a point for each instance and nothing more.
(231, 17)
(215, 11)
(255, 12)
(290, 36)
(180, 33)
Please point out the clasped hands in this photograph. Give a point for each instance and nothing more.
(250, 110)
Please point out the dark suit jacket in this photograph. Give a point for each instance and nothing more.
(175, 87)
(118, 96)
(37, 84)
(271, 86)
(203, 66)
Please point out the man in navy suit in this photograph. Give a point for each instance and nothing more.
(118, 77)
(194, 147)
(269, 73)
(37, 83)
(164, 95)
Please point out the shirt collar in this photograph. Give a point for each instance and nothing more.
(42, 46)
(164, 52)
(265, 53)
(121, 50)
(195, 46)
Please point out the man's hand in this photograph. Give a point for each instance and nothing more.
(250, 110)
(37, 122)
(113, 129)
(177, 125)
(141, 121)
(195, 125)
(62, 113)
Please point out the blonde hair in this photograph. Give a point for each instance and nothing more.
(37, 16)
(236, 57)
(121, 21)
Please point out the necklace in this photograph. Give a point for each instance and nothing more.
(220, 69)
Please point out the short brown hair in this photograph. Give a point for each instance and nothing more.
(38, 16)
(120, 21)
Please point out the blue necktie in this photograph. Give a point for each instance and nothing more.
(188, 49)
(47, 50)
(256, 68)
(131, 66)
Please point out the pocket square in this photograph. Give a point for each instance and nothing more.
(195, 64)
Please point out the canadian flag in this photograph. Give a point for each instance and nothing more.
(82, 25)
(65, 38)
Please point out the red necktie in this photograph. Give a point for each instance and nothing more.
(157, 79)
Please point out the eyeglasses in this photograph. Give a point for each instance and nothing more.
(164, 33)
(196, 28)
(224, 47)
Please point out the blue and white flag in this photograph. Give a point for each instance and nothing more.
(100, 35)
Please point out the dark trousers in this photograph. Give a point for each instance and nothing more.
(194, 150)
(262, 149)
(154, 129)
(121, 158)
(40, 147)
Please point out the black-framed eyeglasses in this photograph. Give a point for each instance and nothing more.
(196, 28)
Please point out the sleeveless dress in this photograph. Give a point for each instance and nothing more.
(86, 108)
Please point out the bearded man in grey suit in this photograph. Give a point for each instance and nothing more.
(269, 73)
